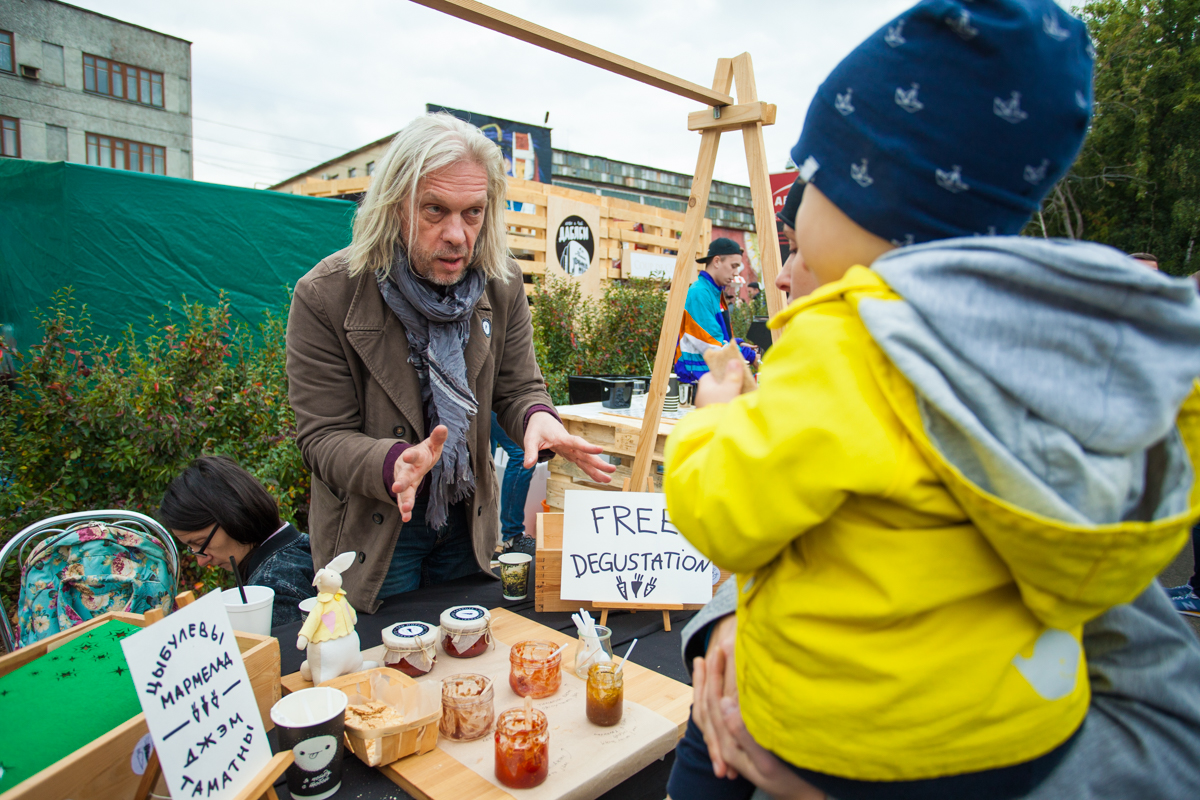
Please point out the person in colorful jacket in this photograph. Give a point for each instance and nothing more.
(706, 321)
(963, 453)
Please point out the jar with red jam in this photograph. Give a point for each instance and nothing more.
(605, 694)
(411, 648)
(466, 631)
(535, 668)
(522, 748)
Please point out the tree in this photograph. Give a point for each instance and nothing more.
(1136, 184)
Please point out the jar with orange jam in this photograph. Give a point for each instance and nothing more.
(411, 648)
(535, 668)
(522, 748)
(466, 631)
(605, 694)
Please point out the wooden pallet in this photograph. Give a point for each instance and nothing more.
(660, 232)
(618, 435)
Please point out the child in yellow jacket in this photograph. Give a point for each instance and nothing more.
(961, 453)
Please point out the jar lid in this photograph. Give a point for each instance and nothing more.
(410, 636)
(465, 619)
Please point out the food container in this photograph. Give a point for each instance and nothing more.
(522, 748)
(534, 668)
(467, 707)
(593, 650)
(411, 648)
(466, 631)
(377, 745)
(605, 694)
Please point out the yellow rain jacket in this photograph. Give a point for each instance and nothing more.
(895, 621)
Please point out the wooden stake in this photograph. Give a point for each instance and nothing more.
(693, 223)
(760, 187)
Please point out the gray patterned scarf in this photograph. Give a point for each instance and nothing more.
(437, 322)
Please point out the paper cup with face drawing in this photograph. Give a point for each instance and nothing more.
(311, 723)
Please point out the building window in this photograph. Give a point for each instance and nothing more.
(10, 137)
(6, 52)
(112, 78)
(108, 151)
(370, 168)
(352, 172)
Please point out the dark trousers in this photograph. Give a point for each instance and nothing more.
(1195, 581)
(692, 778)
(425, 557)
(515, 487)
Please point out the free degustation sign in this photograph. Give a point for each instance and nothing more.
(200, 707)
(620, 547)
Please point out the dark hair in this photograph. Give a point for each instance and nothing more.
(1144, 257)
(214, 489)
(753, 285)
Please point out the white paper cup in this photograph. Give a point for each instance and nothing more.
(311, 723)
(514, 575)
(254, 616)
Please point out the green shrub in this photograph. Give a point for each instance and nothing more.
(574, 335)
(89, 424)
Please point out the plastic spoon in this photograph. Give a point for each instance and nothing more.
(627, 653)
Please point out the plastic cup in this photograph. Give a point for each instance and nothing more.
(514, 575)
(254, 616)
(312, 723)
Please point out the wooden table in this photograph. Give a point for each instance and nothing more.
(438, 776)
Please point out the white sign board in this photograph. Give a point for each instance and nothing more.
(649, 265)
(199, 705)
(620, 547)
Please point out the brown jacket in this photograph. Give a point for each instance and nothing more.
(355, 395)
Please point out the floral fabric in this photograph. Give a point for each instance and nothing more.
(88, 572)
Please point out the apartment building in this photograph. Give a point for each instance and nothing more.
(84, 87)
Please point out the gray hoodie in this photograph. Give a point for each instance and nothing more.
(1049, 372)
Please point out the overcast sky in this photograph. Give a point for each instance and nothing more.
(279, 87)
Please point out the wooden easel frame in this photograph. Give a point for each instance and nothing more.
(747, 114)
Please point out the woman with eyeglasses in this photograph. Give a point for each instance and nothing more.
(218, 510)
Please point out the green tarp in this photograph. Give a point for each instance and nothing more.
(130, 244)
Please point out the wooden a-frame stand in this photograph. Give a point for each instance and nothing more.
(747, 114)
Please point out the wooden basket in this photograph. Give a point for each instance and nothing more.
(392, 743)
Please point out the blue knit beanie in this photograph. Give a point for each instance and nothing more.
(955, 119)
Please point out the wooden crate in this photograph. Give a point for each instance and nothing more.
(661, 227)
(618, 435)
(395, 742)
(102, 769)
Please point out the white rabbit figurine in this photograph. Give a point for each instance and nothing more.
(328, 633)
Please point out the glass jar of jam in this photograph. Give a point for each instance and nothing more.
(535, 668)
(522, 748)
(411, 648)
(605, 694)
(467, 707)
(466, 631)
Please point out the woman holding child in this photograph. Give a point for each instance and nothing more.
(967, 451)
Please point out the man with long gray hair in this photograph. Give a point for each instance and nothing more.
(398, 349)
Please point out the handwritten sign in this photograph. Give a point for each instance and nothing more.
(199, 705)
(620, 547)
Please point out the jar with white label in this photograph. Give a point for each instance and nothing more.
(466, 631)
(411, 648)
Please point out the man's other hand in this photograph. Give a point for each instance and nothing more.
(412, 467)
(544, 432)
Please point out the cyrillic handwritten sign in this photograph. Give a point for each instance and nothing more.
(199, 705)
(620, 547)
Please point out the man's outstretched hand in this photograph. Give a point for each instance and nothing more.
(544, 432)
(412, 467)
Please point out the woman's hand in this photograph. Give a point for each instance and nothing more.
(709, 679)
(713, 389)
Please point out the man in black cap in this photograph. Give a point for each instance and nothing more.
(705, 318)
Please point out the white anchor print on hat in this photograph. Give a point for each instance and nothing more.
(1053, 29)
(951, 181)
(859, 173)
(1036, 175)
(895, 34)
(962, 25)
(843, 104)
(907, 99)
(1010, 110)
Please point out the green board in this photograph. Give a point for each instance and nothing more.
(62, 701)
(130, 244)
